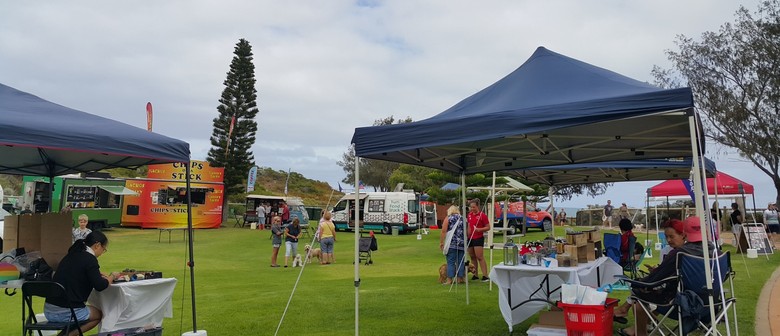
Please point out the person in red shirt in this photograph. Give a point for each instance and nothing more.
(478, 224)
(284, 211)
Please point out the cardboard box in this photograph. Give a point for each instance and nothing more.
(582, 253)
(590, 252)
(578, 239)
(552, 318)
(48, 233)
(592, 235)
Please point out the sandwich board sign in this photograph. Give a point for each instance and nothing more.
(753, 235)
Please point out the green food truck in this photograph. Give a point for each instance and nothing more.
(97, 197)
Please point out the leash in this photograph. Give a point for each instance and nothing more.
(278, 326)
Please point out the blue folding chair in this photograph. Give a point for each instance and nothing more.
(612, 246)
(612, 250)
(690, 279)
(662, 239)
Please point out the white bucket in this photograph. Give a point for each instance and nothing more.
(253, 226)
(195, 333)
(752, 253)
(419, 237)
(658, 246)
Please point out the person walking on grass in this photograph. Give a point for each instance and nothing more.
(454, 251)
(608, 214)
(478, 224)
(276, 238)
(327, 235)
(291, 235)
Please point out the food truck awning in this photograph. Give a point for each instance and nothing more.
(119, 190)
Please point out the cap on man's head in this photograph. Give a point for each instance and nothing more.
(693, 229)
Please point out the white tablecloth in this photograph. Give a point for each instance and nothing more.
(134, 304)
(523, 280)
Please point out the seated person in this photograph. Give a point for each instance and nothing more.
(79, 273)
(682, 237)
(626, 231)
(26, 210)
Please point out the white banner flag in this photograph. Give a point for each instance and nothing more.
(251, 179)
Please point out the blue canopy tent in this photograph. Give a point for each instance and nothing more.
(38, 137)
(42, 138)
(553, 110)
(612, 171)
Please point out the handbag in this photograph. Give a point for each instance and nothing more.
(448, 237)
(39, 270)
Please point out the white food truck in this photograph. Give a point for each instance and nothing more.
(379, 211)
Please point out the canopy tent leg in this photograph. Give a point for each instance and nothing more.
(191, 263)
(465, 227)
(357, 243)
(700, 194)
(492, 216)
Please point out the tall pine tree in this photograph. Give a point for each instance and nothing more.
(237, 110)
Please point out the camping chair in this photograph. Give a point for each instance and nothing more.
(240, 220)
(365, 246)
(612, 246)
(690, 279)
(632, 263)
(44, 289)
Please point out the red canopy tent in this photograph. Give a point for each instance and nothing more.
(726, 185)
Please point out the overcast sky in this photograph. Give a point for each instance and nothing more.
(324, 68)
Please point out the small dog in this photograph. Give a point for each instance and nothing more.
(443, 271)
(314, 253)
(297, 261)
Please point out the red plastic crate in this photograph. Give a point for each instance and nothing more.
(589, 320)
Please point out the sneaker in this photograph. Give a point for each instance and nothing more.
(285, 266)
(485, 279)
(474, 278)
(448, 282)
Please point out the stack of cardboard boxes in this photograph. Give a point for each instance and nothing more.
(49, 233)
(580, 247)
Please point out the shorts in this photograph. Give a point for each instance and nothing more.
(773, 228)
(290, 249)
(55, 313)
(327, 245)
(480, 242)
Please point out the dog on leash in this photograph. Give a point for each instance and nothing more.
(297, 261)
(317, 252)
(443, 271)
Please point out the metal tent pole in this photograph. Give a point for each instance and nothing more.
(465, 227)
(357, 243)
(699, 193)
(492, 216)
(191, 262)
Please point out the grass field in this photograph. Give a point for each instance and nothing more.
(239, 294)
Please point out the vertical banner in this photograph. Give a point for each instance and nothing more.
(251, 179)
(286, 182)
(230, 134)
(149, 116)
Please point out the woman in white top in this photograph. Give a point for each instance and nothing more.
(81, 232)
(771, 219)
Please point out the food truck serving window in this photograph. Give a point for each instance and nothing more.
(376, 205)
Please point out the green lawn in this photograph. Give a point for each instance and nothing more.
(239, 294)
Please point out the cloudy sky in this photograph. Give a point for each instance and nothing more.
(324, 68)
